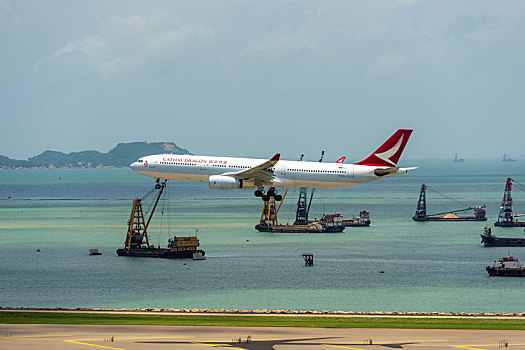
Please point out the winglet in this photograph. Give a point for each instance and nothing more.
(276, 157)
(341, 160)
(389, 152)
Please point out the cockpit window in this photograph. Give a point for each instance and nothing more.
(140, 160)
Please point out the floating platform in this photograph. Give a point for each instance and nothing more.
(159, 253)
(448, 217)
(490, 240)
(328, 223)
(508, 267)
(298, 228)
(137, 242)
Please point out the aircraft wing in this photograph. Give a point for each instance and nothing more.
(260, 173)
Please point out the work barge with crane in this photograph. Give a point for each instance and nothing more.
(328, 223)
(422, 215)
(137, 243)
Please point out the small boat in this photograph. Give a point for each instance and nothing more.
(94, 251)
(508, 266)
(199, 255)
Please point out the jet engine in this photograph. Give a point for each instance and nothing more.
(223, 182)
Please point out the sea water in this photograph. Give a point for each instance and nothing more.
(428, 266)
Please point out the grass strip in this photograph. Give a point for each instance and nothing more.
(260, 321)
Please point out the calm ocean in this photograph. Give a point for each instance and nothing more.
(427, 266)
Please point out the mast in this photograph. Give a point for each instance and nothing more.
(137, 234)
(421, 209)
(506, 217)
(303, 208)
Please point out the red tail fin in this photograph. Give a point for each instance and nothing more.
(341, 160)
(390, 151)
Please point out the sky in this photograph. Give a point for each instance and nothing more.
(252, 78)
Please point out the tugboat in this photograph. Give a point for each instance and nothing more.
(489, 240)
(508, 266)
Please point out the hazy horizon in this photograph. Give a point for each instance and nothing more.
(248, 78)
(329, 156)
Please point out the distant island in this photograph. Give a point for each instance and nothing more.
(121, 156)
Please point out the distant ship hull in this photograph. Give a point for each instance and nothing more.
(493, 241)
(157, 253)
(297, 229)
(501, 271)
(459, 218)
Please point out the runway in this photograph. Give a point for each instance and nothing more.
(45, 336)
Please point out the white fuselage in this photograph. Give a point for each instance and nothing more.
(286, 173)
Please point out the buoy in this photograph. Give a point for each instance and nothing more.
(381, 271)
(38, 250)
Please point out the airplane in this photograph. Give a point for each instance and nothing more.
(226, 173)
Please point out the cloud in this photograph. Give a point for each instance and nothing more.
(371, 28)
(125, 44)
(280, 42)
(385, 63)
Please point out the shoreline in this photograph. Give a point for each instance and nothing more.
(264, 312)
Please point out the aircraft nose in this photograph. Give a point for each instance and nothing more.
(134, 165)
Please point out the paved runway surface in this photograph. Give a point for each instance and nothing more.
(25, 336)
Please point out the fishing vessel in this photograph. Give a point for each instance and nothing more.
(508, 266)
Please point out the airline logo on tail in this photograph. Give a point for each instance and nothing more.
(389, 152)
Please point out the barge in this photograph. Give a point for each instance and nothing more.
(490, 240)
(329, 223)
(508, 267)
(137, 242)
(178, 247)
(421, 211)
(360, 221)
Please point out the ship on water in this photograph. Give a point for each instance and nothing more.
(450, 215)
(506, 216)
(489, 240)
(457, 159)
(506, 158)
(508, 266)
(138, 244)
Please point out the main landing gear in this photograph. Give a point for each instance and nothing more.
(272, 192)
(157, 185)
